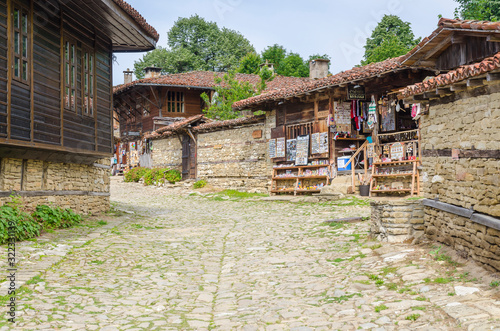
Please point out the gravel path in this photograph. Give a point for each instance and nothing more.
(191, 262)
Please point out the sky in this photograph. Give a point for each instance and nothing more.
(333, 27)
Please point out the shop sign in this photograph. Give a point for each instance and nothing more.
(356, 92)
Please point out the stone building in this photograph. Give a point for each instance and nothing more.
(461, 137)
(156, 101)
(56, 94)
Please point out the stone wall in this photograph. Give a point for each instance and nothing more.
(469, 123)
(233, 159)
(470, 240)
(83, 188)
(397, 220)
(167, 153)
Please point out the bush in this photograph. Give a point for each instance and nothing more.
(135, 175)
(26, 226)
(159, 175)
(200, 184)
(56, 217)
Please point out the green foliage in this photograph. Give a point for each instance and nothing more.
(293, 65)
(154, 176)
(196, 44)
(134, 175)
(200, 184)
(391, 38)
(228, 91)
(495, 283)
(250, 63)
(412, 317)
(56, 217)
(379, 308)
(25, 226)
(482, 10)
(438, 256)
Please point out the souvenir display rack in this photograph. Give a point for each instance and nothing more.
(394, 170)
(397, 169)
(301, 179)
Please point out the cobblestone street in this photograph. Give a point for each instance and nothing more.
(193, 262)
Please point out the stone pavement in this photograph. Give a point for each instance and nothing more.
(191, 262)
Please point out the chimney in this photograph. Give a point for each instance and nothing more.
(269, 66)
(318, 68)
(152, 72)
(127, 76)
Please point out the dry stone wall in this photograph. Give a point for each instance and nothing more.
(234, 158)
(470, 240)
(83, 188)
(397, 221)
(167, 153)
(470, 123)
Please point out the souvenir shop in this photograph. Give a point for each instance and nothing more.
(375, 139)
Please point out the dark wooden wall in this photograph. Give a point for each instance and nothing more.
(192, 106)
(470, 51)
(36, 110)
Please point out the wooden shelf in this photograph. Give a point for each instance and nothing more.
(312, 191)
(385, 191)
(352, 139)
(314, 166)
(394, 175)
(312, 177)
(285, 178)
(283, 191)
(394, 162)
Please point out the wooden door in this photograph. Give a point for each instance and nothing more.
(186, 156)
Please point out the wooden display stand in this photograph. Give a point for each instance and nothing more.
(283, 182)
(414, 174)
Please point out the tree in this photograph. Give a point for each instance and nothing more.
(195, 44)
(294, 65)
(274, 54)
(250, 64)
(482, 10)
(228, 91)
(391, 38)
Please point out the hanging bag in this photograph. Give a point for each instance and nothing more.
(372, 114)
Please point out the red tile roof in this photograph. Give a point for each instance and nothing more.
(138, 18)
(208, 125)
(355, 74)
(229, 123)
(454, 76)
(205, 79)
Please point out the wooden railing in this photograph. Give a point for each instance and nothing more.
(363, 149)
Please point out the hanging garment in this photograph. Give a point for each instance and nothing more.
(372, 114)
(415, 111)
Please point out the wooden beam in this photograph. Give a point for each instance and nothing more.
(494, 38)
(490, 77)
(429, 63)
(458, 87)
(443, 91)
(430, 95)
(475, 82)
(457, 39)
(445, 43)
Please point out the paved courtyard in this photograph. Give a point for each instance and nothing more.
(168, 260)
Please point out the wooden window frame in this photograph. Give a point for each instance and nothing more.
(88, 81)
(175, 102)
(70, 69)
(21, 43)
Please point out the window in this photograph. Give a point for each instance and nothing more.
(79, 77)
(88, 83)
(70, 67)
(21, 67)
(175, 102)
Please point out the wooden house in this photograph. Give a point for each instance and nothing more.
(56, 95)
(461, 137)
(328, 118)
(145, 105)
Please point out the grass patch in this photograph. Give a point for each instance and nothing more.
(412, 317)
(392, 286)
(389, 270)
(421, 299)
(419, 308)
(352, 201)
(379, 308)
(341, 298)
(35, 280)
(438, 256)
(495, 283)
(98, 262)
(233, 195)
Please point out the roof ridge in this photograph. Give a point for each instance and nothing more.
(136, 16)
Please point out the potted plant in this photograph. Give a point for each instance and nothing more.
(364, 184)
